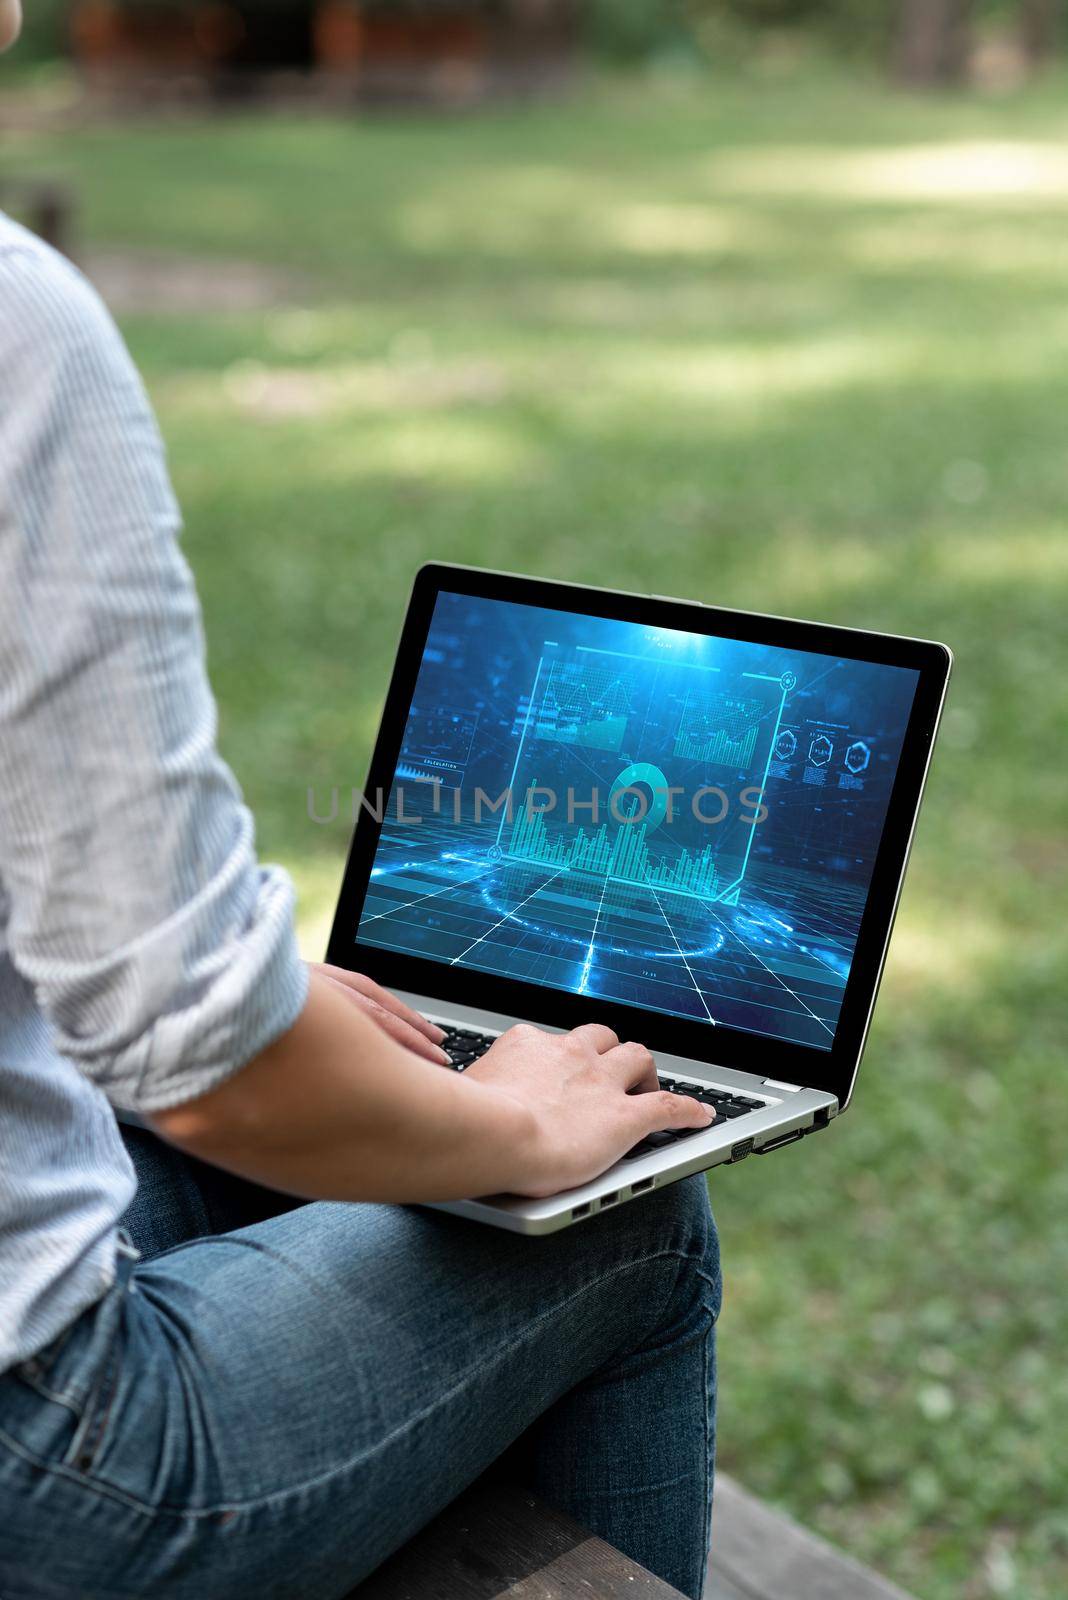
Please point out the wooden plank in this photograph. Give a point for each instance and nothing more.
(758, 1554)
(717, 1587)
(501, 1541)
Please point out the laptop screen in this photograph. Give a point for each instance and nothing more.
(674, 821)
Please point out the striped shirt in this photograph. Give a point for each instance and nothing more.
(144, 955)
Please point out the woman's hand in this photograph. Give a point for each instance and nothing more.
(336, 1109)
(391, 1014)
(591, 1099)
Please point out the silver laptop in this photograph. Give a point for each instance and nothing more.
(688, 823)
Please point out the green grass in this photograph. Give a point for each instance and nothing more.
(735, 340)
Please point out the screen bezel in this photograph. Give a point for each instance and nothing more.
(832, 1070)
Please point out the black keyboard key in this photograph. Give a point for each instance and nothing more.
(465, 1045)
(718, 1098)
(651, 1142)
(660, 1140)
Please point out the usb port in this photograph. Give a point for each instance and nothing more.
(641, 1186)
(609, 1199)
(581, 1211)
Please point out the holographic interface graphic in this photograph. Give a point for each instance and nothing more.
(667, 820)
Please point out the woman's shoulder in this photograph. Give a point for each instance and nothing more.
(46, 304)
(51, 319)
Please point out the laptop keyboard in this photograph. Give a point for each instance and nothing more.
(464, 1045)
(728, 1104)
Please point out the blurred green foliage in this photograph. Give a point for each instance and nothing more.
(720, 32)
(798, 347)
(43, 30)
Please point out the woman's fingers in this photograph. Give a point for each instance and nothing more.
(398, 1027)
(661, 1110)
(596, 1036)
(358, 983)
(404, 1033)
(634, 1066)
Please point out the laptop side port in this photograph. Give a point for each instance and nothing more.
(641, 1185)
(581, 1211)
(777, 1144)
(609, 1199)
(740, 1151)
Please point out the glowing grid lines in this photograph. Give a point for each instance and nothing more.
(608, 947)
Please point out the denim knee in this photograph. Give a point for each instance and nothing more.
(674, 1224)
(682, 1288)
(679, 1221)
(680, 1216)
(693, 1228)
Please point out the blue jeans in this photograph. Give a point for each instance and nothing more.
(277, 1396)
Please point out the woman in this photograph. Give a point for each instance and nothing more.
(218, 1375)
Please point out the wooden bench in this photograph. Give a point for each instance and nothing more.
(498, 1542)
(758, 1554)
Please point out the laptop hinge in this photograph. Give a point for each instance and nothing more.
(773, 1083)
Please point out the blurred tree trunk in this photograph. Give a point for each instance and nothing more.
(1039, 28)
(933, 38)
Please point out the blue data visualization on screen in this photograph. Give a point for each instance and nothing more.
(667, 820)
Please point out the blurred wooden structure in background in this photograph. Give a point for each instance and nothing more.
(436, 52)
(937, 44)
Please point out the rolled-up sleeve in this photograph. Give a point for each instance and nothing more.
(163, 956)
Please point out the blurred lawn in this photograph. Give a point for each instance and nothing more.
(791, 346)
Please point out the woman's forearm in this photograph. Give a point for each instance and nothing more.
(336, 1110)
